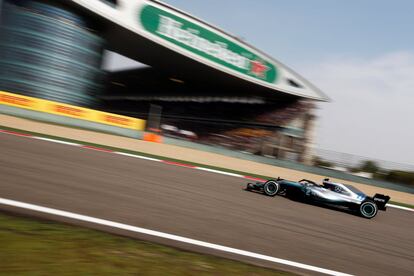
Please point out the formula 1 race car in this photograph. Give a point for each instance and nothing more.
(329, 193)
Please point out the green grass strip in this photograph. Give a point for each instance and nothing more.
(37, 247)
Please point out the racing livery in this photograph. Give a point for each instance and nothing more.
(330, 193)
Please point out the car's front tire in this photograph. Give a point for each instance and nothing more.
(368, 209)
(271, 188)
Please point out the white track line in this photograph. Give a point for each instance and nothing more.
(400, 207)
(159, 160)
(135, 229)
(137, 156)
(219, 172)
(56, 141)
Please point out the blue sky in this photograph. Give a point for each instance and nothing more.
(361, 53)
(298, 31)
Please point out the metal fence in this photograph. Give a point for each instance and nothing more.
(347, 160)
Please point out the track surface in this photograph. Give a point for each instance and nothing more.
(203, 206)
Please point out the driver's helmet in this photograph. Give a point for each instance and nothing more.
(325, 181)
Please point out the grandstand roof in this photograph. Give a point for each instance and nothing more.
(186, 47)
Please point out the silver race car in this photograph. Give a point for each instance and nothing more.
(330, 193)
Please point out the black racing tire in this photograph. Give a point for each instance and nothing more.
(368, 209)
(271, 188)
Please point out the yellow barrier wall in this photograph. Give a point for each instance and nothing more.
(72, 111)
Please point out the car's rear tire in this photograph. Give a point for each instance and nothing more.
(271, 188)
(368, 209)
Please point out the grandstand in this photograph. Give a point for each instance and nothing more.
(210, 86)
(244, 119)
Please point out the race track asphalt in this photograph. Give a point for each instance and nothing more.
(203, 206)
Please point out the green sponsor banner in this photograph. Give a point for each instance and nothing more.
(207, 44)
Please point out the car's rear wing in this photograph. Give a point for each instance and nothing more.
(381, 201)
